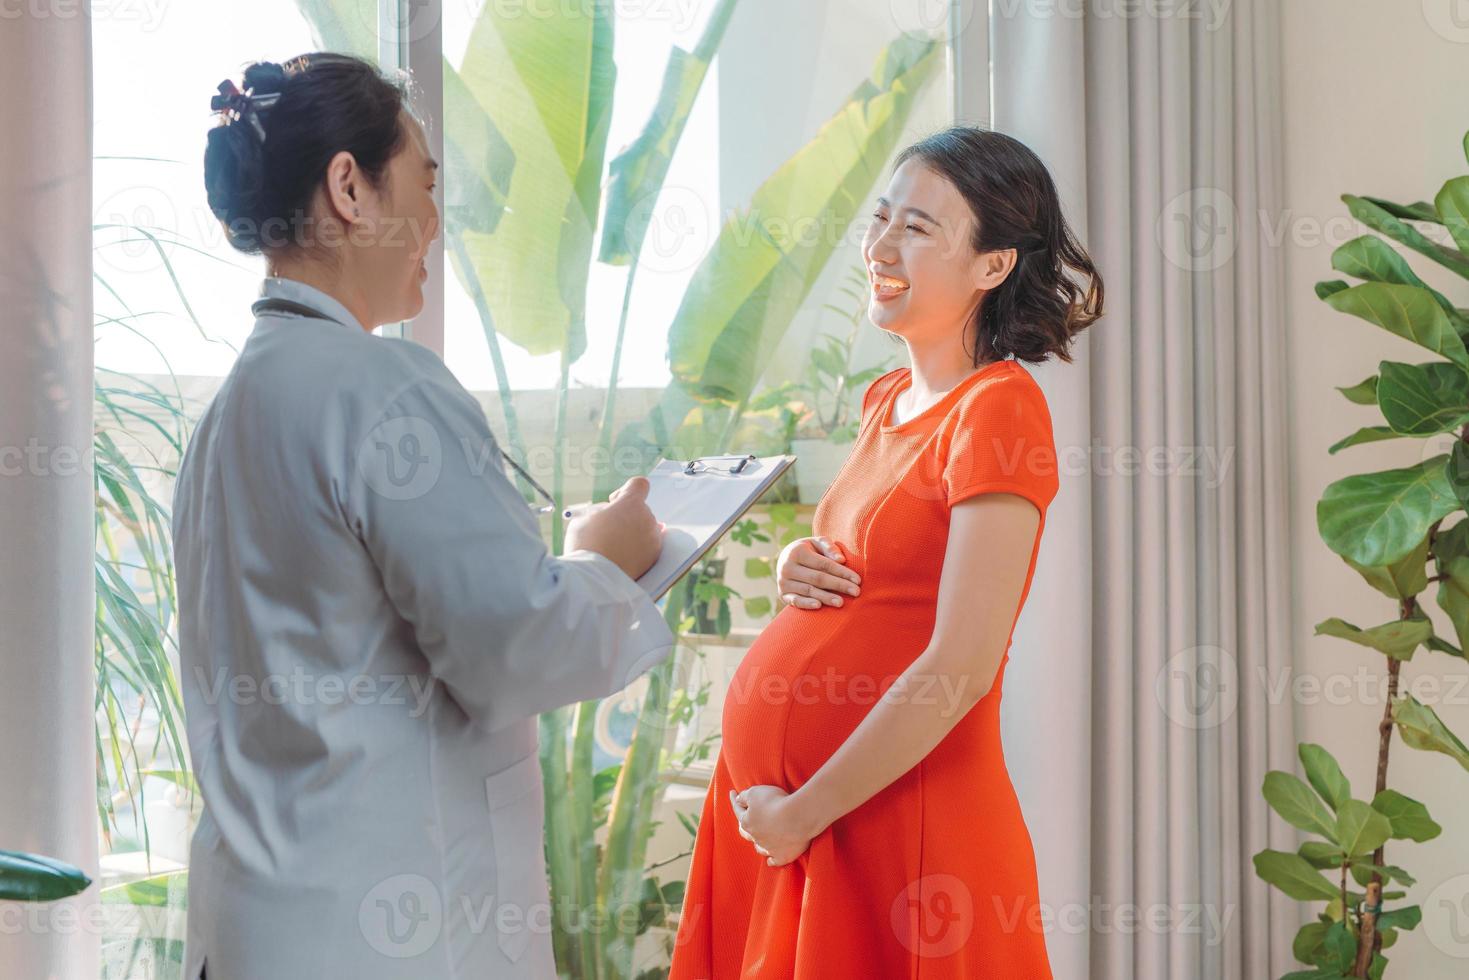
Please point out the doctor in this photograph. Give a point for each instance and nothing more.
(369, 622)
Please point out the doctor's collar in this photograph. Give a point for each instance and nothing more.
(276, 290)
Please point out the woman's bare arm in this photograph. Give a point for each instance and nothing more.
(985, 564)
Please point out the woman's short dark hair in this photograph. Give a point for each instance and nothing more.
(261, 189)
(1040, 306)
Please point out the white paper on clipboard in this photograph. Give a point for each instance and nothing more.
(700, 507)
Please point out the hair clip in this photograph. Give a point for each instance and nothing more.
(243, 104)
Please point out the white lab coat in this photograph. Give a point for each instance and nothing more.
(369, 624)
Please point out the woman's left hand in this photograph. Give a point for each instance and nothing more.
(770, 818)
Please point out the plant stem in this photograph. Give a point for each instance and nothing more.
(502, 377)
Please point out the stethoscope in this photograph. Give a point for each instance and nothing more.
(275, 304)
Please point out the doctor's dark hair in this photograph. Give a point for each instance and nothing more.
(261, 189)
(1040, 307)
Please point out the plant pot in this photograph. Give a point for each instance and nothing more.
(817, 463)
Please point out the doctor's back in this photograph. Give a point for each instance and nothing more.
(369, 622)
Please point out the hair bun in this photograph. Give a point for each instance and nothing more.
(264, 77)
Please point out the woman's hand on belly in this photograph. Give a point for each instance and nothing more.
(770, 819)
(810, 574)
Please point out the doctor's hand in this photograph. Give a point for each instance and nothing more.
(623, 529)
(810, 574)
(770, 819)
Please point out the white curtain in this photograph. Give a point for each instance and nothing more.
(48, 790)
(1137, 728)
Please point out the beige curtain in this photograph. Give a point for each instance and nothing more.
(1137, 723)
(48, 790)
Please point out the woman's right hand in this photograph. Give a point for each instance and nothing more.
(623, 529)
(810, 574)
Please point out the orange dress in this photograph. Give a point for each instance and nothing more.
(934, 876)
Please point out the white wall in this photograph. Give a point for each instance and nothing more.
(1375, 103)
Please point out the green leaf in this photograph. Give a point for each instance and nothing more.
(1397, 639)
(1409, 818)
(1406, 917)
(32, 878)
(1452, 203)
(547, 83)
(1451, 561)
(758, 606)
(1362, 871)
(1377, 518)
(1389, 219)
(636, 175)
(1322, 854)
(1324, 774)
(1326, 287)
(745, 293)
(168, 890)
(1407, 311)
(1309, 939)
(1405, 577)
(1364, 392)
(1422, 729)
(1423, 399)
(1360, 829)
(758, 568)
(1369, 257)
(1417, 211)
(1295, 802)
(1457, 471)
(1370, 433)
(1293, 875)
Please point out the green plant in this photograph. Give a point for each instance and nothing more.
(1388, 526)
(32, 878)
(782, 525)
(819, 406)
(136, 592)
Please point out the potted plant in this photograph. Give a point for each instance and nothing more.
(818, 409)
(1389, 526)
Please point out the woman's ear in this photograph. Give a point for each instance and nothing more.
(991, 269)
(344, 187)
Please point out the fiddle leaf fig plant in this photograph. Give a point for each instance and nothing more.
(1403, 531)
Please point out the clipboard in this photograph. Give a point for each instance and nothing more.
(699, 500)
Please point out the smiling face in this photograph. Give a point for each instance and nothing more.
(926, 280)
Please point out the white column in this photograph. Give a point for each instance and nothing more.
(48, 797)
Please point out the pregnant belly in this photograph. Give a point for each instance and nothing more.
(807, 681)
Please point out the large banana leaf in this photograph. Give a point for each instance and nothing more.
(547, 83)
(748, 288)
(636, 175)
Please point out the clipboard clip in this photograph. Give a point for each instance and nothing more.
(700, 464)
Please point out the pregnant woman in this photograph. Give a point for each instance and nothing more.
(861, 822)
